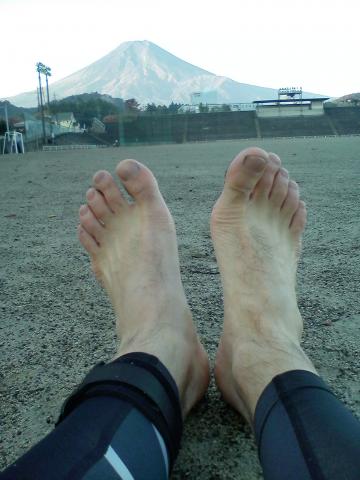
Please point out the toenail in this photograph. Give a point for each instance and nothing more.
(256, 163)
(275, 158)
(284, 172)
(91, 194)
(83, 210)
(99, 176)
(129, 170)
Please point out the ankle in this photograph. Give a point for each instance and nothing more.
(254, 365)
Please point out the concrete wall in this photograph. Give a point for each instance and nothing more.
(290, 110)
(180, 128)
(346, 120)
(295, 126)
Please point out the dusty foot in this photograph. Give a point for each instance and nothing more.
(256, 228)
(133, 251)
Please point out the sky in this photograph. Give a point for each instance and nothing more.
(312, 44)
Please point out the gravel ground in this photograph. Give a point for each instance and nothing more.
(56, 322)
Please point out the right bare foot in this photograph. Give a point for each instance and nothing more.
(134, 255)
(256, 227)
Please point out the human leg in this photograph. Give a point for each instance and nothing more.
(256, 228)
(124, 422)
(133, 252)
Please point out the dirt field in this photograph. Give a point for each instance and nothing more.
(56, 322)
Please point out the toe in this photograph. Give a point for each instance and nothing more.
(138, 180)
(98, 205)
(105, 183)
(280, 188)
(291, 202)
(244, 173)
(87, 241)
(264, 185)
(90, 223)
(298, 221)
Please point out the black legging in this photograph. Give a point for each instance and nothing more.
(125, 422)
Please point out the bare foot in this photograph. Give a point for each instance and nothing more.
(256, 228)
(133, 251)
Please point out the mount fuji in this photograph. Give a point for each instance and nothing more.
(148, 73)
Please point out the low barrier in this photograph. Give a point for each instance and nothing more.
(54, 148)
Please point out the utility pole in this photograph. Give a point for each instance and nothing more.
(38, 99)
(6, 118)
(47, 91)
(48, 74)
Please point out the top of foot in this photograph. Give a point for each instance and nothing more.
(133, 251)
(256, 227)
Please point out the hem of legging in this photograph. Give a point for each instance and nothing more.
(298, 379)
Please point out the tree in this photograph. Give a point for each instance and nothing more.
(132, 106)
(85, 107)
(225, 107)
(203, 108)
(151, 108)
(2, 126)
(174, 107)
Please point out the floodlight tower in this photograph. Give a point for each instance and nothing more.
(43, 69)
(47, 73)
(40, 69)
(290, 93)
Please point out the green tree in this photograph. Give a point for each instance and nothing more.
(174, 107)
(225, 107)
(132, 105)
(151, 108)
(203, 108)
(2, 127)
(84, 108)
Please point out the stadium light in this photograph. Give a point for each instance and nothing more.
(44, 70)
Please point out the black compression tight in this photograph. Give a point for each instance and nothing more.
(116, 430)
(304, 432)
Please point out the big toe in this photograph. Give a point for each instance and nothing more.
(138, 181)
(244, 173)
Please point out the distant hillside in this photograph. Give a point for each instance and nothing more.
(87, 106)
(86, 98)
(14, 111)
(352, 98)
(144, 71)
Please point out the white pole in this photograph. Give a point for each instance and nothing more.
(22, 143)
(6, 118)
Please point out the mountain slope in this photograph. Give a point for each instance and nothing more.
(144, 71)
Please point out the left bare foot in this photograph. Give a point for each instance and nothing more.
(133, 251)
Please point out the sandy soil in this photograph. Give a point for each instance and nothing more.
(56, 322)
